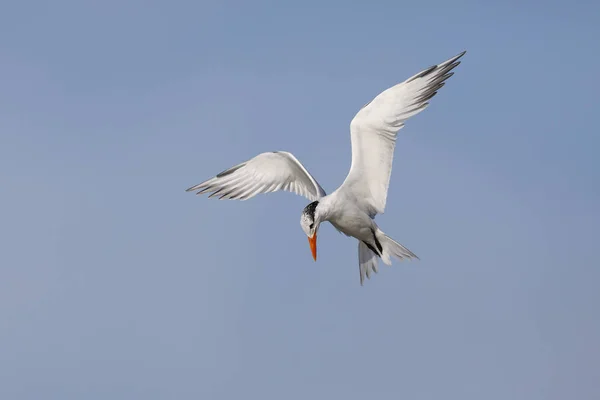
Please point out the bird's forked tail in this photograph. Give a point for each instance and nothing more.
(367, 259)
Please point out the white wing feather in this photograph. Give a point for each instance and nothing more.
(265, 173)
(374, 128)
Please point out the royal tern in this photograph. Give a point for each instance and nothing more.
(353, 206)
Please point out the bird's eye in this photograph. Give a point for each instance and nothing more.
(311, 225)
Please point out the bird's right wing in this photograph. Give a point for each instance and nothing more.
(265, 173)
(374, 129)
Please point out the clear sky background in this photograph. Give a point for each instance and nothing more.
(116, 284)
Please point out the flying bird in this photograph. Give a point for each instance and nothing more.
(352, 207)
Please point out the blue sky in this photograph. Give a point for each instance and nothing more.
(115, 283)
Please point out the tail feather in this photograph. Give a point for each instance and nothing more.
(367, 261)
(393, 248)
(367, 258)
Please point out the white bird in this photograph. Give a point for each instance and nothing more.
(353, 206)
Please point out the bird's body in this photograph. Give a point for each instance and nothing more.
(349, 214)
(342, 209)
(363, 194)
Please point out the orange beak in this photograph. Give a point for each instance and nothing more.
(313, 245)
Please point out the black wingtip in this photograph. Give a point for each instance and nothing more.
(230, 171)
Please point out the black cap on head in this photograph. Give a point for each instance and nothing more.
(310, 209)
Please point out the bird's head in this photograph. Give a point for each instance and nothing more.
(309, 221)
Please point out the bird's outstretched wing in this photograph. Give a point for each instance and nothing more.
(374, 128)
(265, 173)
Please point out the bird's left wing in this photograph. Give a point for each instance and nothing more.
(265, 173)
